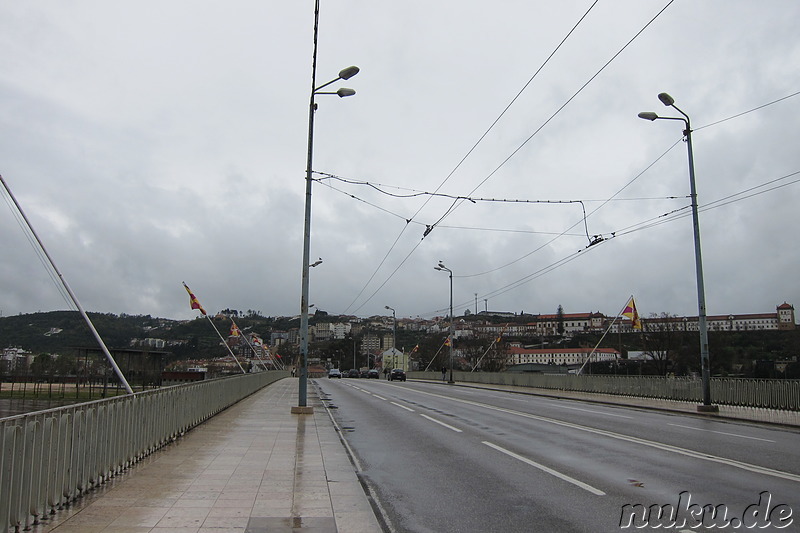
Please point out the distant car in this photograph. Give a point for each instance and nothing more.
(365, 373)
(373, 373)
(354, 373)
(397, 374)
(334, 373)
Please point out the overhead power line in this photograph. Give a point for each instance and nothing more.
(457, 203)
(469, 152)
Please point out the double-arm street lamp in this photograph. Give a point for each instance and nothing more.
(443, 268)
(668, 101)
(344, 74)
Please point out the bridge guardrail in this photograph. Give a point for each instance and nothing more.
(780, 394)
(49, 458)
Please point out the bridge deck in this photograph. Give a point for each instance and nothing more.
(253, 468)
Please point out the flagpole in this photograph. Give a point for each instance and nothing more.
(252, 348)
(589, 357)
(272, 359)
(240, 334)
(263, 362)
(495, 341)
(72, 296)
(225, 343)
(436, 354)
(275, 360)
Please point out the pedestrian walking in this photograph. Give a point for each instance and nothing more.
(444, 373)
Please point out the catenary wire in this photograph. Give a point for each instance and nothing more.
(457, 203)
(469, 152)
(656, 221)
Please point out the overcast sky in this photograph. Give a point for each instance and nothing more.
(152, 142)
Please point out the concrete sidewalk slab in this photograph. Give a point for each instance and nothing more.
(254, 468)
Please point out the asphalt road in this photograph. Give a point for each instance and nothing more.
(443, 458)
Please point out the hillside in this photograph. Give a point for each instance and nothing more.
(63, 331)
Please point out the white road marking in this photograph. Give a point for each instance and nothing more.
(635, 440)
(721, 433)
(402, 406)
(559, 475)
(448, 426)
(379, 397)
(590, 411)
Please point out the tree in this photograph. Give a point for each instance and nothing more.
(560, 320)
(65, 365)
(496, 359)
(664, 338)
(42, 365)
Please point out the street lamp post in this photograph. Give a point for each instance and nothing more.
(344, 74)
(443, 268)
(394, 332)
(668, 101)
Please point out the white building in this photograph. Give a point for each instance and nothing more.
(559, 356)
(782, 319)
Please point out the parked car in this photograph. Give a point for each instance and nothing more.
(354, 373)
(397, 374)
(365, 373)
(373, 373)
(334, 373)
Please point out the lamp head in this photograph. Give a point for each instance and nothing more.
(344, 91)
(349, 72)
(666, 99)
(648, 115)
(441, 265)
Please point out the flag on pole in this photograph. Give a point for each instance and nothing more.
(447, 341)
(500, 336)
(630, 312)
(193, 300)
(235, 331)
(415, 349)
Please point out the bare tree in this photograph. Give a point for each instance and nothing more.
(664, 335)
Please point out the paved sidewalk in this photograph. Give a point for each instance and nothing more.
(254, 468)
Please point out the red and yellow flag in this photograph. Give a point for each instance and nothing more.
(235, 331)
(193, 300)
(630, 312)
(447, 341)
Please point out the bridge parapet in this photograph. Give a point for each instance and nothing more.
(779, 394)
(50, 458)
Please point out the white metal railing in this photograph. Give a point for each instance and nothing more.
(49, 458)
(782, 394)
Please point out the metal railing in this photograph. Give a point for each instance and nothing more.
(50, 458)
(781, 394)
